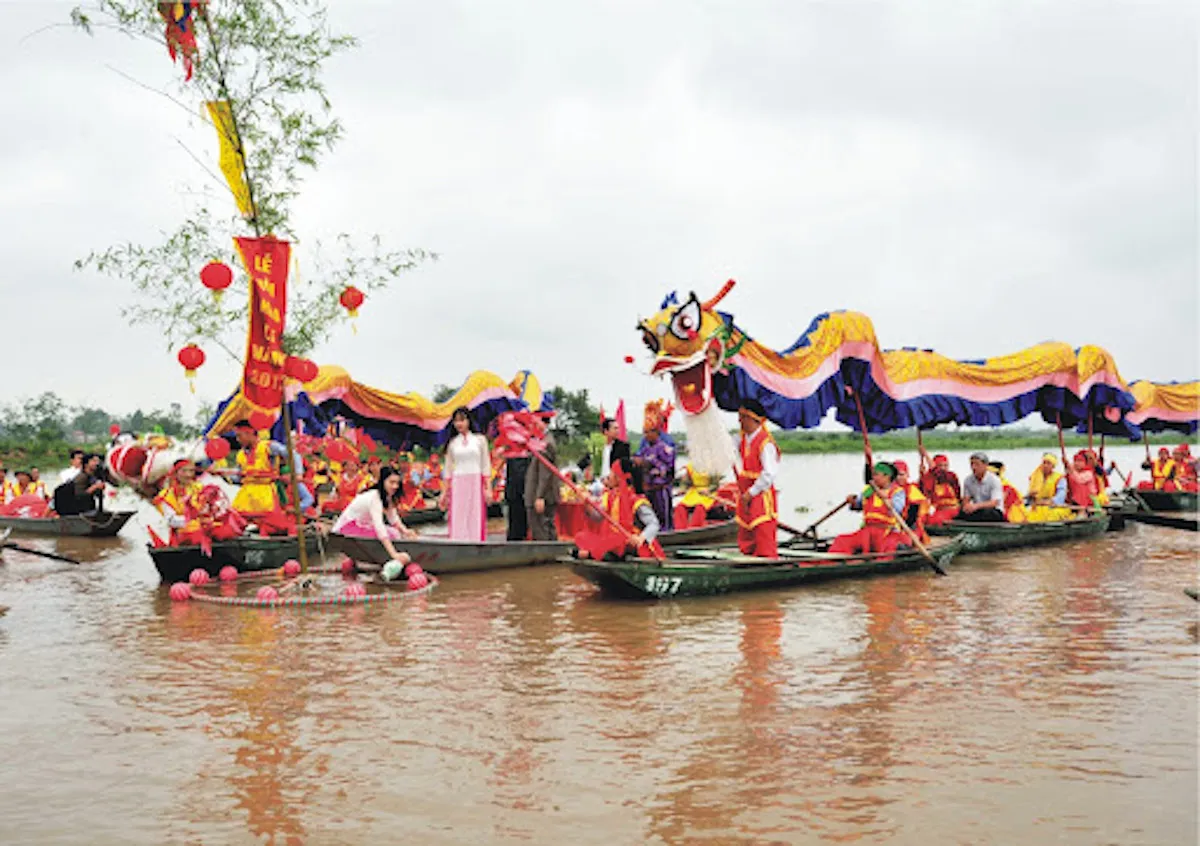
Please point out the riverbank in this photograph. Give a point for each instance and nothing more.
(21, 455)
(796, 443)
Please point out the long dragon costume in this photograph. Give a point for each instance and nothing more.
(837, 364)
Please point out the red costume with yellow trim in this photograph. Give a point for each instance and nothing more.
(940, 484)
(621, 503)
(758, 521)
(879, 533)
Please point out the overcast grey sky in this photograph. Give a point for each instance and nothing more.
(976, 177)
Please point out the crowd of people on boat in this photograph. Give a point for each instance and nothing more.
(79, 489)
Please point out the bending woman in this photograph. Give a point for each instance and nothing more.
(364, 518)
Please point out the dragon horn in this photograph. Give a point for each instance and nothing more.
(725, 289)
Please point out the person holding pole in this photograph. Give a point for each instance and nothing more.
(757, 466)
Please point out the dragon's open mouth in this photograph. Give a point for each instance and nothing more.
(693, 387)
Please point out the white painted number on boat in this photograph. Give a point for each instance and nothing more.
(663, 585)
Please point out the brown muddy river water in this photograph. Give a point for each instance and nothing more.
(1031, 697)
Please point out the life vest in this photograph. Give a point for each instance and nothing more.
(1162, 472)
(941, 494)
(16, 489)
(3, 491)
(762, 507)
(1042, 486)
(39, 488)
(914, 496)
(876, 510)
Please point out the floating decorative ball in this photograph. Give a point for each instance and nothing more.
(392, 571)
(180, 592)
(228, 573)
(355, 590)
(198, 577)
(291, 568)
(266, 593)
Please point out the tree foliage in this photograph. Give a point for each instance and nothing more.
(265, 58)
(48, 418)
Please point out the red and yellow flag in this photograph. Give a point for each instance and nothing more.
(266, 261)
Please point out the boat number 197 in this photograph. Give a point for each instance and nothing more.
(663, 585)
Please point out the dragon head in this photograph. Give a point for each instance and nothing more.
(690, 341)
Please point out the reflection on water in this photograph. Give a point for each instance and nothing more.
(1040, 696)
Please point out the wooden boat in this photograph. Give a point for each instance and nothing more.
(423, 516)
(1187, 524)
(1169, 500)
(104, 525)
(246, 554)
(991, 537)
(711, 572)
(442, 555)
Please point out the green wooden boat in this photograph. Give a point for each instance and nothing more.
(1170, 500)
(991, 537)
(707, 572)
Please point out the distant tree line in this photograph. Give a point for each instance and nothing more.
(48, 419)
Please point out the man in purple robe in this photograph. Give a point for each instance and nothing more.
(656, 459)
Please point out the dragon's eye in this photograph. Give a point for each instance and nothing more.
(649, 339)
(686, 321)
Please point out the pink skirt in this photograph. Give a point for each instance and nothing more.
(468, 508)
(365, 529)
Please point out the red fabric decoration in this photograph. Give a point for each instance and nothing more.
(216, 449)
(262, 420)
(302, 369)
(341, 451)
(216, 277)
(114, 429)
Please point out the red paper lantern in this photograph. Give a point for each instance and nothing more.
(216, 276)
(262, 420)
(216, 449)
(192, 359)
(302, 369)
(351, 299)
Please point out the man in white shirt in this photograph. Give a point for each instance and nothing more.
(757, 466)
(73, 469)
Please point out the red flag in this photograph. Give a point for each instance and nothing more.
(266, 261)
(622, 432)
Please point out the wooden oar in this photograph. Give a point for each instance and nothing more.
(812, 530)
(912, 536)
(28, 551)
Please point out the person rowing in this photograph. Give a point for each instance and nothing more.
(631, 510)
(880, 532)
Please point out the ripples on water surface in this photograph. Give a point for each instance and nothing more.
(1035, 697)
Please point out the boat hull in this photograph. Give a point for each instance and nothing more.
(679, 577)
(103, 526)
(1170, 500)
(442, 555)
(992, 537)
(248, 554)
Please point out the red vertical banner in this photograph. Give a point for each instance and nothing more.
(266, 261)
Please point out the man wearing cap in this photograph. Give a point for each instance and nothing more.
(940, 484)
(879, 503)
(983, 493)
(1162, 472)
(1047, 497)
(756, 467)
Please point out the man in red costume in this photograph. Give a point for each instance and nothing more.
(757, 466)
(632, 512)
(940, 484)
(880, 532)
(1185, 469)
